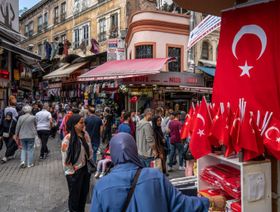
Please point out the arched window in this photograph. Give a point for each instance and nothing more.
(205, 51)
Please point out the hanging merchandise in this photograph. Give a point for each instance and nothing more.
(60, 48)
(48, 50)
(67, 45)
(94, 46)
(54, 46)
(83, 47)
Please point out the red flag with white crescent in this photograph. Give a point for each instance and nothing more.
(199, 143)
(271, 138)
(248, 59)
(185, 131)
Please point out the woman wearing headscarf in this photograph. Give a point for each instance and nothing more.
(153, 191)
(7, 132)
(159, 142)
(76, 150)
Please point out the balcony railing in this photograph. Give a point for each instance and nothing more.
(63, 17)
(40, 28)
(55, 20)
(45, 25)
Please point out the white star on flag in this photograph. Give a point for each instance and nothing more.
(278, 139)
(245, 69)
(200, 132)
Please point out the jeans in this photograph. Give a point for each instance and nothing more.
(180, 148)
(146, 160)
(27, 150)
(44, 136)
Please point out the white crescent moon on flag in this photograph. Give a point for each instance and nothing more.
(235, 120)
(250, 29)
(199, 116)
(269, 129)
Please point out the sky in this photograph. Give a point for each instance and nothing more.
(27, 3)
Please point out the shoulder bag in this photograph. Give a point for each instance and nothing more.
(131, 190)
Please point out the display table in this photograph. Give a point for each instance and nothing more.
(247, 170)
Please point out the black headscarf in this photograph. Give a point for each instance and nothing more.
(157, 131)
(74, 148)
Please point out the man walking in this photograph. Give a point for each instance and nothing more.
(145, 138)
(44, 125)
(94, 127)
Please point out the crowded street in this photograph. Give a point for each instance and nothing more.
(139, 106)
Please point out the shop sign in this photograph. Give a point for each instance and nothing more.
(167, 79)
(116, 49)
(9, 14)
(4, 74)
(26, 84)
(55, 85)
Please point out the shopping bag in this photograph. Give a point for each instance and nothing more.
(37, 142)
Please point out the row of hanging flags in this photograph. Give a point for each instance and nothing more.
(248, 77)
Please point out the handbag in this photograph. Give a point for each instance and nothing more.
(91, 166)
(131, 190)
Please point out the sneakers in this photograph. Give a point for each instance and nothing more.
(4, 160)
(31, 165)
(97, 174)
(181, 168)
(102, 174)
(22, 165)
(41, 157)
(169, 168)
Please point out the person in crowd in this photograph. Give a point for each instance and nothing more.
(83, 110)
(25, 136)
(153, 191)
(94, 127)
(44, 125)
(132, 125)
(125, 126)
(102, 165)
(54, 114)
(175, 141)
(63, 126)
(145, 138)
(7, 132)
(108, 123)
(159, 142)
(12, 107)
(35, 108)
(76, 149)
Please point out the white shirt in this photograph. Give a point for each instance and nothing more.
(43, 120)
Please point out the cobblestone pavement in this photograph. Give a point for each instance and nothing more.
(42, 188)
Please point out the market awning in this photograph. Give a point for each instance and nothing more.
(207, 70)
(64, 71)
(18, 50)
(119, 69)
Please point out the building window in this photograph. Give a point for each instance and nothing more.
(63, 12)
(26, 29)
(40, 24)
(63, 38)
(45, 20)
(85, 30)
(100, 1)
(30, 28)
(102, 30)
(114, 26)
(55, 17)
(176, 65)
(76, 38)
(144, 51)
(205, 51)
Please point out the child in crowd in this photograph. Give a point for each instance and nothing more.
(102, 165)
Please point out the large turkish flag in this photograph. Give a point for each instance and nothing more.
(248, 58)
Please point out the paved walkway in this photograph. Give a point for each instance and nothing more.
(42, 188)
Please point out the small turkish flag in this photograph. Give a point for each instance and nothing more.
(235, 131)
(133, 99)
(199, 143)
(185, 131)
(248, 59)
(272, 138)
(250, 140)
(216, 131)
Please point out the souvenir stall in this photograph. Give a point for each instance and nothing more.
(235, 139)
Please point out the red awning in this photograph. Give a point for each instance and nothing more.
(119, 69)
